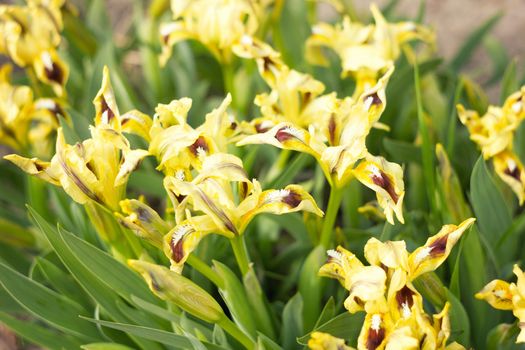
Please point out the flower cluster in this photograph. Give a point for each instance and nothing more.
(395, 318)
(364, 50)
(27, 125)
(297, 117)
(31, 35)
(494, 134)
(508, 296)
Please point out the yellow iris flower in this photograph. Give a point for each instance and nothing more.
(494, 134)
(395, 318)
(217, 24)
(27, 125)
(508, 296)
(296, 117)
(30, 36)
(365, 50)
(97, 169)
(221, 199)
(178, 146)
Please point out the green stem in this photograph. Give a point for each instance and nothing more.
(235, 332)
(205, 270)
(241, 253)
(428, 153)
(336, 195)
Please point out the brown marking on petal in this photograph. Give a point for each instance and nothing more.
(143, 214)
(260, 129)
(439, 246)
(243, 190)
(375, 338)
(39, 167)
(199, 144)
(233, 126)
(307, 96)
(177, 251)
(284, 134)
(54, 73)
(105, 108)
(384, 181)
(78, 182)
(293, 199)
(331, 129)
(267, 62)
(422, 341)
(405, 296)
(154, 284)
(219, 212)
(513, 173)
(376, 101)
(165, 39)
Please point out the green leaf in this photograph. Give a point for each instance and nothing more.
(292, 322)
(61, 281)
(105, 346)
(491, 210)
(38, 334)
(235, 298)
(469, 46)
(459, 321)
(509, 82)
(401, 151)
(311, 286)
(327, 314)
(164, 337)
(44, 303)
(519, 142)
(98, 290)
(15, 235)
(114, 274)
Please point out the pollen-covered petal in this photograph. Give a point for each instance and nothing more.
(35, 167)
(437, 248)
(107, 113)
(510, 169)
(386, 179)
(143, 221)
(325, 341)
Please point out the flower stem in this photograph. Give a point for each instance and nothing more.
(336, 195)
(205, 270)
(235, 332)
(241, 253)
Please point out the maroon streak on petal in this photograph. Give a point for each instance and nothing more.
(439, 246)
(293, 199)
(200, 143)
(376, 101)
(375, 338)
(383, 181)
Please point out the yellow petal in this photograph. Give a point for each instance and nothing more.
(106, 108)
(325, 341)
(143, 220)
(386, 179)
(510, 169)
(340, 264)
(51, 70)
(436, 249)
(35, 167)
(130, 161)
(375, 331)
(366, 284)
(390, 254)
(137, 123)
